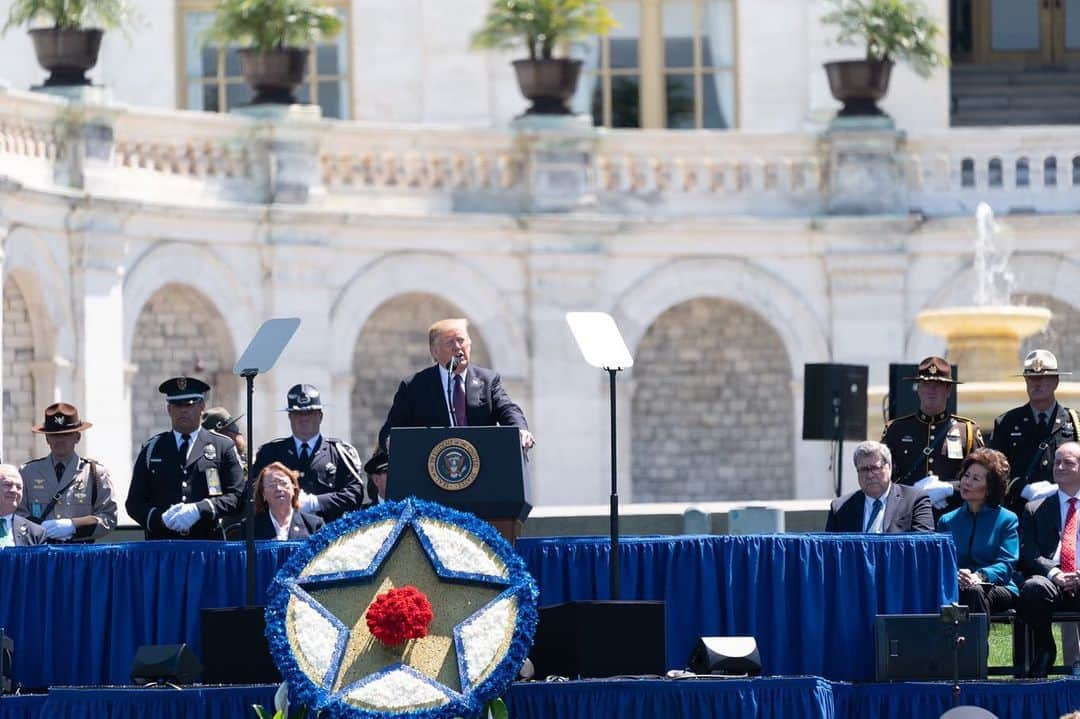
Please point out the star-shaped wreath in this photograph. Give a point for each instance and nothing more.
(406, 609)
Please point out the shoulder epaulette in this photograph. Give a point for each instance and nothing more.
(964, 419)
(897, 419)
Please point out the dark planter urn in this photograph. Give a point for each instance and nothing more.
(274, 74)
(66, 53)
(859, 84)
(549, 84)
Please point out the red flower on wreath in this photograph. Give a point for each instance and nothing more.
(399, 615)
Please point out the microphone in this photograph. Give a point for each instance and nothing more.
(450, 367)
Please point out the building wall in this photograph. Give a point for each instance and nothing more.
(19, 400)
(412, 64)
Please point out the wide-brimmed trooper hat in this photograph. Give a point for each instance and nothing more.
(934, 369)
(1041, 363)
(61, 418)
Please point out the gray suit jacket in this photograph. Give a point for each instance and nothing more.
(908, 510)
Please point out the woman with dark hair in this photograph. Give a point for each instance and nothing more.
(277, 505)
(985, 533)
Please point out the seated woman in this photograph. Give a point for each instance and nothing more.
(277, 505)
(985, 533)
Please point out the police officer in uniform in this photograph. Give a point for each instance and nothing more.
(71, 497)
(929, 446)
(186, 479)
(1030, 434)
(330, 480)
(218, 419)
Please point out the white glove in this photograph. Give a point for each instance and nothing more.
(922, 483)
(180, 517)
(939, 491)
(58, 528)
(309, 502)
(1038, 490)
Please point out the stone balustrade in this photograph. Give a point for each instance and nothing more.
(195, 157)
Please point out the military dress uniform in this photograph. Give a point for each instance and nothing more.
(923, 444)
(83, 488)
(207, 477)
(1028, 445)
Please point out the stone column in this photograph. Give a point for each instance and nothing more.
(286, 142)
(570, 399)
(101, 378)
(52, 383)
(866, 176)
(558, 153)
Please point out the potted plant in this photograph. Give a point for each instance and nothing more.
(69, 46)
(544, 26)
(277, 34)
(890, 30)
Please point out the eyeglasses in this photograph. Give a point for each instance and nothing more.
(872, 468)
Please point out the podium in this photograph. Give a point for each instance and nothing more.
(481, 470)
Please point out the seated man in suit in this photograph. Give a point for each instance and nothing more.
(1048, 533)
(880, 506)
(453, 392)
(15, 531)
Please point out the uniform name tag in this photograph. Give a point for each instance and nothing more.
(35, 509)
(953, 446)
(213, 482)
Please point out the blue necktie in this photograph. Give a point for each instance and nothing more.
(874, 512)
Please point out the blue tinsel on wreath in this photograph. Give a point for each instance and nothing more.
(521, 584)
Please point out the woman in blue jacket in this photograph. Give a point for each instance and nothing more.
(985, 533)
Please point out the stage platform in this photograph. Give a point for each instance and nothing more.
(769, 698)
(78, 613)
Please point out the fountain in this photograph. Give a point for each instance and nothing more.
(983, 339)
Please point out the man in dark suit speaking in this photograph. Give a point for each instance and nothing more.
(453, 392)
(881, 506)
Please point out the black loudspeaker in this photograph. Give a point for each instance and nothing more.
(903, 395)
(726, 656)
(7, 662)
(834, 401)
(600, 639)
(165, 664)
(235, 650)
(912, 647)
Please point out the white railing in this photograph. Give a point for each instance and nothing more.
(1033, 169)
(207, 157)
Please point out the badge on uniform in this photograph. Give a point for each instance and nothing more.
(210, 452)
(330, 468)
(35, 510)
(213, 482)
(955, 449)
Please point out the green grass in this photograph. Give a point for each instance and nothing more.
(1001, 646)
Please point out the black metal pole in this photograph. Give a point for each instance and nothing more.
(614, 494)
(249, 494)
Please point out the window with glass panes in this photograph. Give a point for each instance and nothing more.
(212, 79)
(669, 64)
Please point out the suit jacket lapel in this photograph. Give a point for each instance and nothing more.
(199, 440)
(437, 389)
(891, 506)
(852, 511)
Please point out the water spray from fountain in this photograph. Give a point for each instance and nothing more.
(993, 279)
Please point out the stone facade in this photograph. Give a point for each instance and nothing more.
(392, 345)
(711, 407)
(178, 332)
(20, 407)
(1061, 336)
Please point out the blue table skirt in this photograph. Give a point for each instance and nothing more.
(809, 599)
(77, 614)
(779, 698)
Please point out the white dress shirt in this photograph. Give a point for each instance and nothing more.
(878, 527)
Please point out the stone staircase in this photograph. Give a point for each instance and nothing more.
(993, 95)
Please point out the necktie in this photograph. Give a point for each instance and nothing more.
(1068, 539)
(59, 470)
(1042, 422)
(459, 402)
(3, 527)
(305, 454)
(874, 512)
(185, 445)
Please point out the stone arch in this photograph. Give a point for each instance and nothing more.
(401, 324)
(712, 407)
(1035, 275)
(178, 331)
(475, 293)
(783, 308)
(230, 296)
(30, 259)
